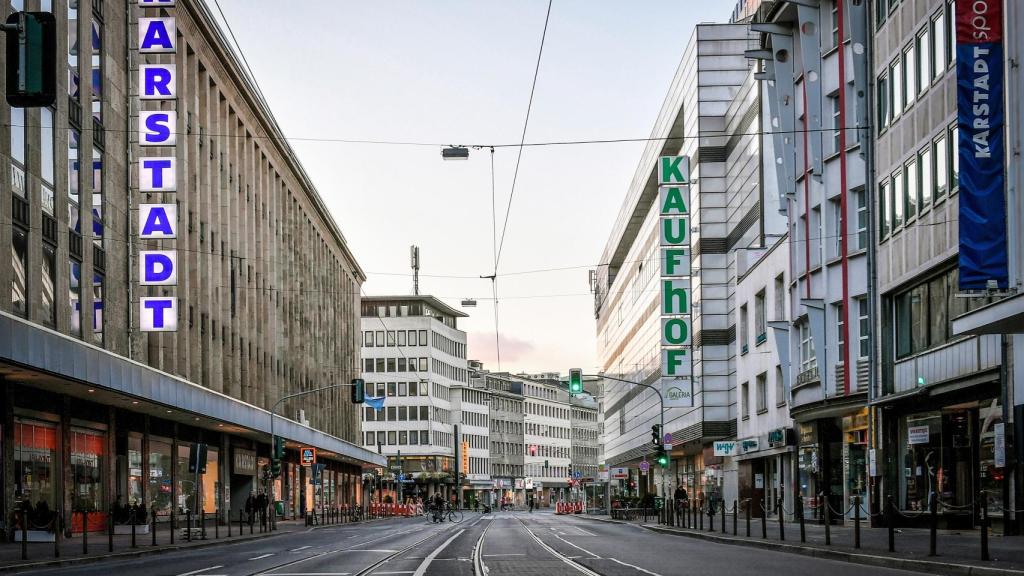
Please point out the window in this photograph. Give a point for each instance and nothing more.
(780, 387)
(864, 327)
(391, 389)
(423, 364)
(743, 329)
(760, 320)
(941, 167)
(392, 438)
(414, 437)
(939, 44)
(840, 333)
(744, 400)
(880, 13)
(910, 170)
(883, 209)
(860, 199)
(413, 389)
(835, 122)
(835, 23)
(835, 245)
(951, 30)
(381, 438)
(401, 338)
(883, 101)
(423, 341)
(97, 309)
(898, 200)
(380, 338)
(924, 61)
(47, 308)
(75, 298)
(368, 339)
(896, 75)
(808, 361)
(925, 173)
(46, 153)
(402, 389)
(762, 393)
(403, 437)
(910, 74)
(780, 297)
(18, 138)
(19, 264)
(954, 158)
(391, 364)
(403, 413)
(424, 413)
(911, 307)
(391, 337)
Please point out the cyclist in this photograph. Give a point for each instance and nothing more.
(438, 508)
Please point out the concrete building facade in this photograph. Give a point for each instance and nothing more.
(267, 290)
(547, 435)
(506, 433)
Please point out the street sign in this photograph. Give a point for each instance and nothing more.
(667, 440)
(644, 467)
(307, 456)
(578, 474)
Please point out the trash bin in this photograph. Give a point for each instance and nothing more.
(279, 508)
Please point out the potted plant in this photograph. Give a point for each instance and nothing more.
(127, 515)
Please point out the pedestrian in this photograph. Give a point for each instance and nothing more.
(531, 504)
(250, 506)
(680, 497)
(261, 505)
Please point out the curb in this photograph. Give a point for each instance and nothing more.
(928, 566)
(140, 552)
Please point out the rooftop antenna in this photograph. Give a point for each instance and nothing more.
(414, 261)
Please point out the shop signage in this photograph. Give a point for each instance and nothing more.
(980, 120)
(779, 437)
(502, 483)
(750, 445)
(619, 473)
(244, 462)
(520, 484)
(157, 174)
(872, 462)
(726, 448)
(675, 270)
(307, 456)
(917, 434)
(529, 483)
(999, 444)
(759, 481)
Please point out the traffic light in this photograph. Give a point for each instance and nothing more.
(31, 59)
(656, 434)
(570, 470)
(575, 381)
(358, 390)
(275, 468)
(662, 458)
(277, 456)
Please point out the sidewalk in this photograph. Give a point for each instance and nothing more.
(958, 551)
(41, 554)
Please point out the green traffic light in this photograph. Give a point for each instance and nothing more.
(575, 381)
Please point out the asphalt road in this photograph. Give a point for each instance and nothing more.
(513, 544)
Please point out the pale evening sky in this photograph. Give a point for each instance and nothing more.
(459, 72)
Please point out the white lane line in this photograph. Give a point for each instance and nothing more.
(422, 568)
(576, 547)
(496, 555)
(368, 550)
(645, 571)
(260, 557)
(565, 559)
(396, 572)
(200, 570)
(307, 574)
(300, 548)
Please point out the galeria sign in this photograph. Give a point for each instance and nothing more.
(674, 256)
(157, 173)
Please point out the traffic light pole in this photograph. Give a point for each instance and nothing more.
(273, 437)
(661, 399)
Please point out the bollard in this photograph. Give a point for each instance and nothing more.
(24, 535)
(799, 504)
(188, 526)
(890, 518)
(132, 520)
(228, 516)
(933, 508)
(56, 533)
(216, 525)
(85, 531)
(984, 526)
(749, 502)
(202, 524)
(153, 529)
(110, 530)
(251, 522)
(764, 521)
(828, 521)
(856, 521)
(735, 514)
(723, 516)
(711, 517)
(241, 524)
(782, 521)
(173, 517)
(700, 515)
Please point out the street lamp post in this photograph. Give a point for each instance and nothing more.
(273, 442)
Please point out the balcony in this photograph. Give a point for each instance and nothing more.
(809, 376)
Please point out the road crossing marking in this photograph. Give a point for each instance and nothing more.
(422, 568)
(300, 548)
(200, 570)
(260, 557)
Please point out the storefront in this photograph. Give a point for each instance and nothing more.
(766, 469)
(832, 465)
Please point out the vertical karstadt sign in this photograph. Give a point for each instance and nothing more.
(674, 256)
(157, 174)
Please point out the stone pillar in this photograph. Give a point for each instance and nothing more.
(8, 451)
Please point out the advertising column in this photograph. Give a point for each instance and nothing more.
(157, 166)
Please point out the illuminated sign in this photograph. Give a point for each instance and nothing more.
(675, 260)
(157, 83)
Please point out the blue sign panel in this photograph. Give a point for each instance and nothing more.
(981, 118)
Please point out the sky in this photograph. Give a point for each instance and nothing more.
(459, 72)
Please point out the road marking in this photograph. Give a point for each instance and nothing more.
(200, 570)
(422, 568)
(307, 574)
(496, 555)
(576, 547)
(645, 571)
(299, 548)
(260, 557)
(396, 572)
(368, 550)
(562, 557)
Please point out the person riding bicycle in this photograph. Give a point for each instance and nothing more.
(437, 509)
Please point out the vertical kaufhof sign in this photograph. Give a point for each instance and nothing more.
(157, 174)
(674, 230)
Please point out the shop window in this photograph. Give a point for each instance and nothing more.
(35, 460)
(158, 490)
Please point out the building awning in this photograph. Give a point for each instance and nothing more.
(1003, 317)
(40, 357)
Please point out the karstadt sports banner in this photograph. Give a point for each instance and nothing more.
(981, 118)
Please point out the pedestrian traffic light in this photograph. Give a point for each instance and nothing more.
(31, 59)
(275, 468)
(662, 458)
(656, 434)
(278, 447)
(575, 381)
(358, 391)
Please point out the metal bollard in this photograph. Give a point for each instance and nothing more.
(132, 520)
(799, 505)
(216, 525)
(85, 531)
(735, 514)
(890, 518)
(723, 516)
(933, 508)
(700, 515)
(172, 524)
(856, 521)
(110, 530)
(153, 528)
(241, 524)
(984, 527)
(782, 521)
(711, 518)
(828, 521)
(188, 526)
(764, 521)
(749, 503)
(24, 535)
(251, 522)
(57, 519)
(202, 525)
